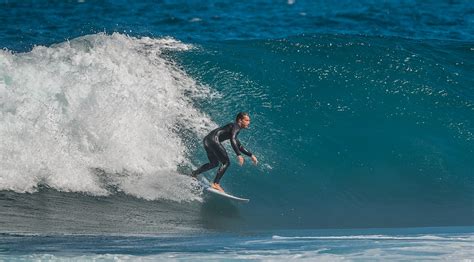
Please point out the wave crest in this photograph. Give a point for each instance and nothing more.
(98, 101)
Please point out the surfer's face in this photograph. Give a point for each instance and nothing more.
(244, 122)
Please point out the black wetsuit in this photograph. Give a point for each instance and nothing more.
(216, 152)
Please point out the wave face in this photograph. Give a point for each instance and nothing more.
(350, 132)
(75, 113)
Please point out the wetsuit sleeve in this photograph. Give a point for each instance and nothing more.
(242, 149)
(234, 141)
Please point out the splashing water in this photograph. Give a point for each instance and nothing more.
(98, 102)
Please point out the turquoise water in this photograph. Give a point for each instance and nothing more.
(362, 121)
(370, 124)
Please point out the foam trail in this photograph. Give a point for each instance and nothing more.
(108, 102)
(378, 237)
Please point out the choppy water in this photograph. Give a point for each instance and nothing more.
(339, 245)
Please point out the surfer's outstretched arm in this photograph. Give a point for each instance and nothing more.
(246, 152)
(234, 142)
(242, 148)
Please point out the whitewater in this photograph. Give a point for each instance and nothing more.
(98, 102)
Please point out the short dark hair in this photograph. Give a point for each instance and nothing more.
(241, 115)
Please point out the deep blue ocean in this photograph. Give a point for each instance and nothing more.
(362, 119)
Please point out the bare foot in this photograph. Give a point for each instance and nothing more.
(217, 187)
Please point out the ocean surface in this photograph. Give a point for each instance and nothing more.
(362, 119)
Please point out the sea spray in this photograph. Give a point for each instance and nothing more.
(107, 102)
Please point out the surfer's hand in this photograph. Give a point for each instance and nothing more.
(254, 159)
(241, 160)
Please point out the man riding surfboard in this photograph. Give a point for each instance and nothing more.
(217, 153)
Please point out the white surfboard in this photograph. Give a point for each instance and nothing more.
(207, 186)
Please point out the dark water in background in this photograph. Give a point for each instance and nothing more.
(362, 117)
(28, 23)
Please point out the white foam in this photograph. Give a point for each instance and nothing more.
(99, 101)
(377, 237)
(371, 248)
(448, 253)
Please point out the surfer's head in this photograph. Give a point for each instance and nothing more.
(243, 119)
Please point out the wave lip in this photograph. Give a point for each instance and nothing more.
(108, 102)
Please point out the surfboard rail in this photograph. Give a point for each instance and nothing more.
(207, 186)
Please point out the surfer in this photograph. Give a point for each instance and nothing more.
(217, 153)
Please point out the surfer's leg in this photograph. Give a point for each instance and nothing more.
(224, 159)
(213, 161)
